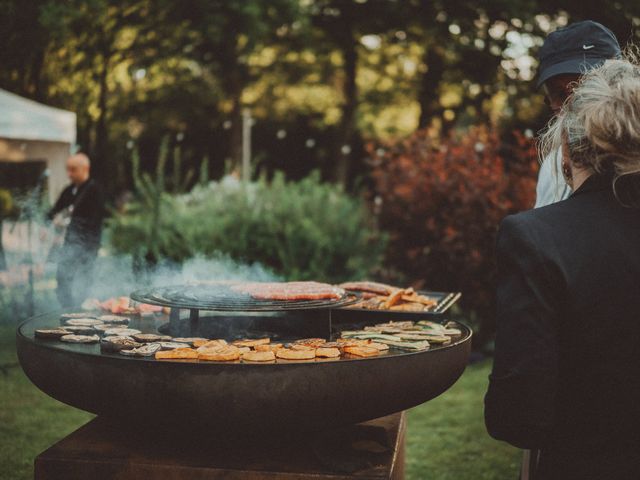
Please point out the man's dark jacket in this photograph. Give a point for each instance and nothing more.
(566, 375)
(85, 227)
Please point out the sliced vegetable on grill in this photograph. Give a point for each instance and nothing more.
(121, 331)
(182, 353)
(69, 316)
(290, 354)
(81, 330)
(189, 340)
(118, 343)
(362, 351)
(365, 335)
(224, 354)
(410, 346)
(114, 319)
(144, 351)
(255, 356)
(209, 343)
(51, 333)
(171, 345)
(327, 352)
(251, 342)
(82, 322)
(150, 337)
(269, 347)
(380, 346)
(80, 338)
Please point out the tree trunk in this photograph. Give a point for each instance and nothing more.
(428, 96)
(235, 137)
(39, 90)
(345, 137)
(3, 260)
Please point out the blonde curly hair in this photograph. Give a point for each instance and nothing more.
(600, 125)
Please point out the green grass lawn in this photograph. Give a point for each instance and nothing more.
(446, 437)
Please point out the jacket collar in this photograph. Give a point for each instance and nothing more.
(594, 183)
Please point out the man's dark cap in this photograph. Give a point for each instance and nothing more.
(576, 48)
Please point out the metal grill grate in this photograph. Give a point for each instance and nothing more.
(222, 298)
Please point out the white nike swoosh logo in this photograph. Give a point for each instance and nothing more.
(588, 47)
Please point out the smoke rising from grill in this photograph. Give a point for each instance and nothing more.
(28, 241)
(114, 275)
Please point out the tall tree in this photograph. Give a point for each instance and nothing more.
(220, 35)
(462, 46)
(343, 23)
(91, 38)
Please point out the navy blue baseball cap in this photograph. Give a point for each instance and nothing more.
(576, 48)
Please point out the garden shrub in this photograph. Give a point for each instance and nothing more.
(441, 201)
(301, 230)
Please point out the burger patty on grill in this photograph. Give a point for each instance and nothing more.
(290, 291)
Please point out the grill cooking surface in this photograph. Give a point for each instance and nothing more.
(220, 297)
(212, 396)
(154, 324)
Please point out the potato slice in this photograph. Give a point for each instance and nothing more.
(254, 356)
(289, 354)
(176, 353)
(226, 354)
(327, 352)
(310, 342)
(362, 351)
(209, 343)
(301, 347)
(251, 342)
(270, 347)
(211, 349)
(379, 346)
(189, 340)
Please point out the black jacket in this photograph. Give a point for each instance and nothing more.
(85, 227)
(566, 374)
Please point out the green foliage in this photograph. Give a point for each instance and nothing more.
(151, 235)
(301, 230)
(450, 428)
(6, 203)
(441, 200)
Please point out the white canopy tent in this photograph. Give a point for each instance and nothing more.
(33, 132)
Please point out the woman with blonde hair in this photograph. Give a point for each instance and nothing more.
(566, 373)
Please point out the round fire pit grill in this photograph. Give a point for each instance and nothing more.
(236, 397)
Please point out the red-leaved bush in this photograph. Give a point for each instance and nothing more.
(441, 201)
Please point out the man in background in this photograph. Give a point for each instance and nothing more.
(79, 209)
(565, 55)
